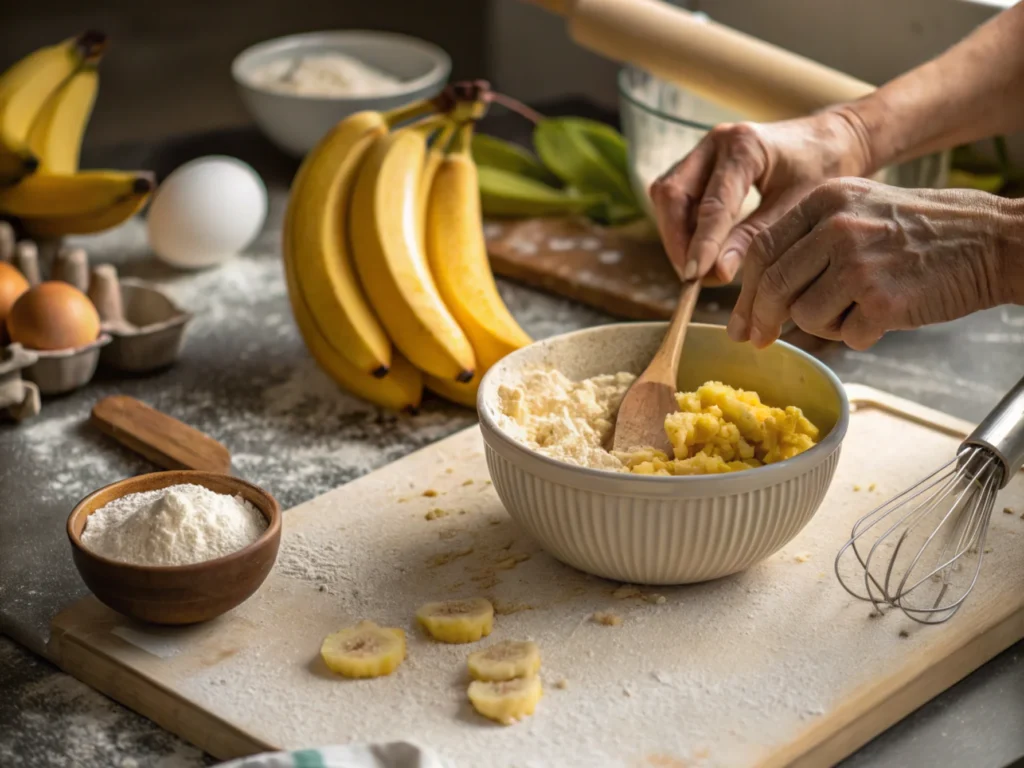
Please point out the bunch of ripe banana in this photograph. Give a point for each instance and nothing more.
(385, 257)
(45, 103)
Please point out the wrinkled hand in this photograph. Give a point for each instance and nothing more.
(856, 259)
(697, 202)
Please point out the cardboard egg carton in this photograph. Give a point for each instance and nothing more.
(141, 328)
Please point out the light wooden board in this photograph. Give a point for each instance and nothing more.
(777, 666)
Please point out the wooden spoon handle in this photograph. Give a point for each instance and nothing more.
(164, 440)
(665, 363)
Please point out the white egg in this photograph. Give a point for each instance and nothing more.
(206, 211)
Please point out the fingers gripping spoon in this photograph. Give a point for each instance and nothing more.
(641, 419)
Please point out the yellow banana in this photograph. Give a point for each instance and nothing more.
(506, 660)
(365, 650)
(460, 393)
(78, 194)
(457, 253)
(16, 164)
(47, 228)
(317, 242)
(388, 253)
(457, 621)
(507, 701)
(56, 134)
(435, 156)
(24, 90)
(401, 389)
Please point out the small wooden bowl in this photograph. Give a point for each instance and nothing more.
(177, 594)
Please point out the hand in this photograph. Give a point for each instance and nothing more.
(697, 202)
(856, 259)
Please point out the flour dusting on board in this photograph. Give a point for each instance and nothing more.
(716, 674)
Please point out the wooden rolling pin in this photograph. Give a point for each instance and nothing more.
(757, 79)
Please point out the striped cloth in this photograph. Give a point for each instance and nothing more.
(399, 754)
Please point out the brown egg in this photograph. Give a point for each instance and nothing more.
(12, 285)
(53, 315)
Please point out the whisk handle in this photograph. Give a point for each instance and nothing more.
(1002, 432)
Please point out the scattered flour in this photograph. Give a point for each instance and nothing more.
(564, 419)
(173, 526)
(306, 558)
(56, 720)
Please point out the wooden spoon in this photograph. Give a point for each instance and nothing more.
(641, 419)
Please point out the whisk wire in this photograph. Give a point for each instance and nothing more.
(962, 523)
(876, 517)
(946, 518)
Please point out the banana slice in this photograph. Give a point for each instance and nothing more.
(505, 661)
(457, 621)
(364, 650)
(506, 701)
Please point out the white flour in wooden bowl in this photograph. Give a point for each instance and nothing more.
(178, 525)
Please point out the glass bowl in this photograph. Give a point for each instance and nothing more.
(662, 122)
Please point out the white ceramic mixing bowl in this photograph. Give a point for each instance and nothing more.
(295, 123)
(666, 530)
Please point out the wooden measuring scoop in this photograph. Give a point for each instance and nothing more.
(640, 422)
(162, 439)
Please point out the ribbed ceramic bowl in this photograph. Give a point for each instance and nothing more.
(666, 530)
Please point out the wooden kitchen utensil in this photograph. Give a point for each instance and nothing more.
(640, 422)
(165, 441)
(735, 70)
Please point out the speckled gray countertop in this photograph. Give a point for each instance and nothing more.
(246, 379)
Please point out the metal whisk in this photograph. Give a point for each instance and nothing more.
(922, 550)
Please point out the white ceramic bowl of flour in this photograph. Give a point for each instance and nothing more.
(296, 121)
(666, 530)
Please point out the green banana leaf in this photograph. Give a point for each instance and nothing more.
(606, 140)
(497, 153)
(507, 194)
(568, 152)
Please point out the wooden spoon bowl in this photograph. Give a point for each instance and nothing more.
(640, 422)
(177, 594)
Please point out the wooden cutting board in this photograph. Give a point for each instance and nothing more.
(776, 666)
(622, 272)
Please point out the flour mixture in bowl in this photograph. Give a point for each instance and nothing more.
(717, 428)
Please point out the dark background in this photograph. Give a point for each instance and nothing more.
(167, 70)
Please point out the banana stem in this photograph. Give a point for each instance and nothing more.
(410, 112)
(430, 123)
(514, 105)
(91, 45)
(463, 139)
(444, 136)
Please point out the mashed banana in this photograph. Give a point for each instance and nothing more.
(717, 428)
(722, 429)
